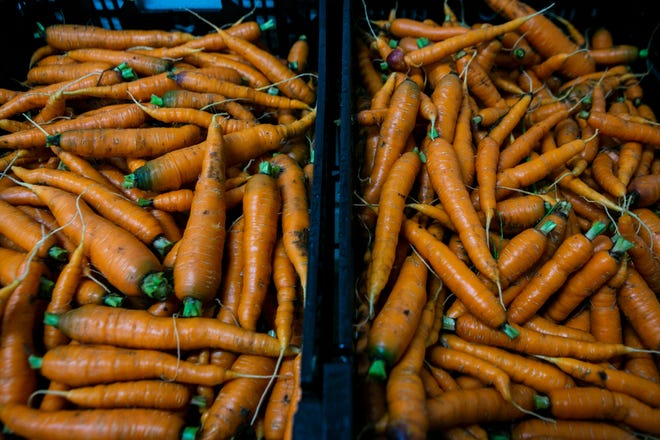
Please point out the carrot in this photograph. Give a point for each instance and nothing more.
(460, 407)
(286, 285)
(143, 65)
(609, 378)
(595, 273)
(126, 142)
(120, 116)
(595, 403)
(443, 169)
(639, 304)
(535, 428)
(479, 82)
(100, 424)
(523, 145)
(528, 341)
(74, 36)
(261, 205)
(197, 270)
(198, 82)
(154, 394)
(387, 342)
(457, 276)
(441, 49)
(407, 415)
(466, 363)
(126, 262)
(641, 364)
(171, 170)
(571, 255)
(237, 400)
(605, 315)
(276, 414)
(53, 73)
(515, 214)
(449, 94)
(27, 233)
(140, 89)
(643, 257)
(16, 337)
(544, 36)
(526, 370)
(394, 131)
(603, 173)
(108, 203)
(405, 27)
(624, 130)
(181, 98)
(397, 185)
(462, 140)
(643, 191)
(617, 54)
(295, 213)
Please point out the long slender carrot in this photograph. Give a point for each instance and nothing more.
(534, 428)
(261, 207)
(106, 424)
(198, 267)
(90, 324)
(444, 170)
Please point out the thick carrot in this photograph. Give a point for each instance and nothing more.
(482, 405)
(644, 259)
(198, 267)
(643, 191)
(535, 428)
(171, 170)
(605, 315)
(571, 255)
(394, 326)
(52, 73)
(640, 305)
(602, 266)
(154, 394)
(457, 276)
(238, 400)
(443, 169)
(295, 213)
(583, 403)
(125, 261)
(106, 202)
(16, 338)
(261, 207)
(624, 130)
(106, 424)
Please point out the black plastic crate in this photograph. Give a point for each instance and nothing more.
(635, 24)
(326, 406)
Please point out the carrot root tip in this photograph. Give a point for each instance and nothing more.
(192, 307)
(156, 286)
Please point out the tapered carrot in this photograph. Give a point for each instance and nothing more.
(644, 259)
(154, 394)
(295, 213)
(143, 65)
(108, 203)
(640, 305)
(640, 364)
(460, 407)
(286, 285)
(126, 262)
(443, 169)
(52, 73)
(624, 130)
(544, 36)
(238, 400)
(457, 276)
(583, 403)
(531, 342)
(605, 315)
(386, 341)
(140, 89)
(535, 428)
(439, 50)
(261, 207)
(398, 183)
(106, 424)
(16, 338)
(171, 170)
(198, 267)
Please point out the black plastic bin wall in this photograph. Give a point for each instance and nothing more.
(635, 24)
(326, 406)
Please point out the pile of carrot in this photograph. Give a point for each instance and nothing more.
(507, 198)
(154, 222)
